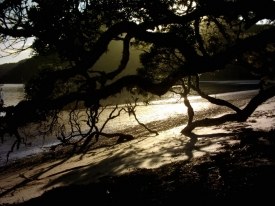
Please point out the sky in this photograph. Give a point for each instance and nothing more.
(12, 59)
(15, 58)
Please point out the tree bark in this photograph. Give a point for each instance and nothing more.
(241, 116)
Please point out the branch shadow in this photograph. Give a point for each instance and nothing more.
(146, 152)
(31, 178)
(219, 172)
(191, 145)
(128, 156)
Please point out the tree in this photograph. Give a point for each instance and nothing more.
(181, 39)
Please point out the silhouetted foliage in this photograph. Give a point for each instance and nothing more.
(179, 39)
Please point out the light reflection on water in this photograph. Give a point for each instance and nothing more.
(159, 109)
(14, 93)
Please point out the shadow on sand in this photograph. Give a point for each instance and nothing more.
(156, 184)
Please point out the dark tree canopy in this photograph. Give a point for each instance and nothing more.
(180, 40)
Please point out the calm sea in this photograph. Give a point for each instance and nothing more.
(159, 110)
(14, 93)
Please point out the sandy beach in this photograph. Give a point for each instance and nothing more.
(32, 179)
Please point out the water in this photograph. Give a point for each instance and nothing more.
(234, 82)
(160, 109)
(13, 94)
(217, 87)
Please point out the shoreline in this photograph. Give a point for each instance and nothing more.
(145, 151)
(172, 114)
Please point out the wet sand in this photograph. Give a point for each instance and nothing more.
(31, 179)
(161, 114)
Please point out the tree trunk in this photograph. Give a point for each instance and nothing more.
(239, 116)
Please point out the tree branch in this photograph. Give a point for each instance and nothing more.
(213, 100)
(239, 117)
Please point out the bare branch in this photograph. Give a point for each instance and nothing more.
(131, 111)
(239, 117)
(212, 99)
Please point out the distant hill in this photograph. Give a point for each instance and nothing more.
(230, 72)
(21, 71)
(5, 68)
